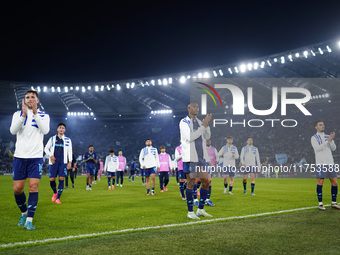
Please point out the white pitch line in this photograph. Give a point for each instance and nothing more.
(154, 227)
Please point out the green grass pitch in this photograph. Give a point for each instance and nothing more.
(102, 210)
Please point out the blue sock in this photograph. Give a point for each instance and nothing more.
(194, 191)
(245, 185)
(53, 186)
(21, 202)
(153, 189)
(181, 188)
(87, 184)
(209, 193)
(334, 193)
(148, 190)
(190, 201)
(185, 185)
(252, 187)
(113, 181)
(133, 178)
(142, 179)
(198, 185)
(109, 181)
(32, 203)
(60, 188)
(319, 192)
(226, 185)
(230, 188)
(203, 197)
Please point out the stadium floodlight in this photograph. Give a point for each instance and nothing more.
(91, 113)
(305, 53)
(220, 72)
(328, 49)
(120, 115)
(283, 60)
(127, 85)
(71, 88)
(236, 69)
(230, 71)
(206, 75)
(170, 80)
(45, 89)
(165, 81)
(290, 57)
(68, 113)
(320, 50)
(297, 54)
(327, 95)
(108, 87)
(214, 73)
(270, 64)
(53, 89)
(38, 88)
(174, 116)
(118, 87)
(313, 53)
(182, 79)
(153, 82)
(83, 89)
(242, 68)
(102, 88)
(256, 65)
(58, 89)
(32, 88)
(323, 96)
(262, 64)
(188, 77)
(94, 118)
(275, 60)
(250, 66)
(112, 86)
(77, 88)
(66, 89)
(132, 85)
(200, 75)
(96, 88)
(88, 87)
(159, 82)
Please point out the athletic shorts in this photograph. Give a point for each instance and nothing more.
(27, 168)
(190, 167)
(132, 172)
(57, 169)
(249, 169)
(150, 171)
(111, 173)
(229, 170)
(181, 174)
(326, 171)
(91, 171)
(142, 172)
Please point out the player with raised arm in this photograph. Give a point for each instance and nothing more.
(110, 168)
(229, 153)
(29, 125)
(250, 163)
(149, 161)
(90, 160)
(195, 157)
(323, 146)
(59, 151)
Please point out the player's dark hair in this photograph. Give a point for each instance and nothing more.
(62, 124)
(33, 92)
(147, 139)
(112, 151)
(230, 137)
(162, 147)
(250, 137)
(316, 122)
(90, 146)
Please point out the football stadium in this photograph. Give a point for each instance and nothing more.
(124, 166)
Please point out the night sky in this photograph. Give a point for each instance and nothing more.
(63, 42)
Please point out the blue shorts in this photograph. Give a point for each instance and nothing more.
(90, 170)
(150, 171)
(325, 171)
(142, 172)
(249, 170)
(181, 174)
(230, 170)
(57, 169)
(24, 168)
(190, 167)
(111, 173)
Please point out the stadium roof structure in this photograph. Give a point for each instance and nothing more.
(135, 98)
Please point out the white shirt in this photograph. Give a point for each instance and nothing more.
(111, 164)
(323, 149)
(188, 137)
(248, 156)
(30, 133)
(49, 148)
(229, 155)
(148, 157)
